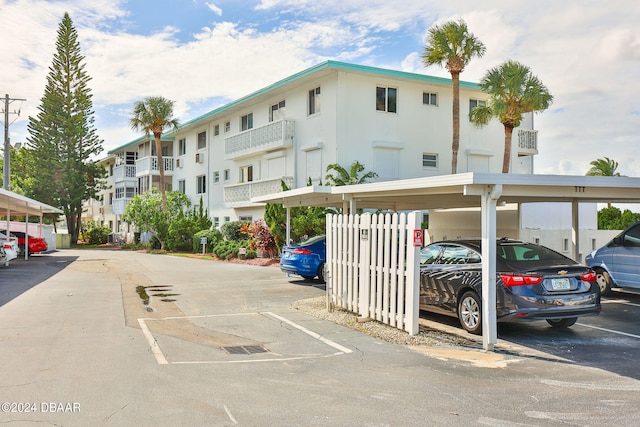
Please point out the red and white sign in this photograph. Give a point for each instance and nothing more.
(418, 239)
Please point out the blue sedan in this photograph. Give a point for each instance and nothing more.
(305, 259)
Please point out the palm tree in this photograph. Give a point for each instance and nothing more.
(348, 177)
(603, 167)
(153, 115)
(513, 91)
(452, 45)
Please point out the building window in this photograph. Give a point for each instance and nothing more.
(216, 130)
(202, 140)
(386, 99)
(246, 173)
(314, 101)
(130, 192)
(246, 122)
(473, 103)
(227, 219)
(227, 127)
(227, 175)
(201, 184)
(216, 221)
(182, 187)
(429, 160)
(245, 218)
(182, 147)
(276, 111)
(216, 177)
(429, 98)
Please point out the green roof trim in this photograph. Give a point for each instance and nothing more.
(336, 65)
(139, 140)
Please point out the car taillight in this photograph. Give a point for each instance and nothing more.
(520, 279)
(299, 251)
(590, 276)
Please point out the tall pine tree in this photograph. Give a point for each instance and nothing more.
(62, 138)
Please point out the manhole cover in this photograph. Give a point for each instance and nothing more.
(245, 349)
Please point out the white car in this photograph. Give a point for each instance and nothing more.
(11, 248)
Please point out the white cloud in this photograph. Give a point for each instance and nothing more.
(215, 9)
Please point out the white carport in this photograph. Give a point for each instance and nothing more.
(18, 205)
(470, 190)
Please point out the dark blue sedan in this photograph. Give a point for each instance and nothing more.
(305, 259)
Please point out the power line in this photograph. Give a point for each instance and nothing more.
(7, 145)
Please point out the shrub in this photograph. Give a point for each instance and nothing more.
(181, 231)
(97, 234)
(227, 249)
(213, 237)
(233, 230)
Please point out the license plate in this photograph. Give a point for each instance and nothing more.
(560, 284)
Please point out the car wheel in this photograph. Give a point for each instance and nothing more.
(470, 312)
(604, 281)
(562, 323)
(321, 273)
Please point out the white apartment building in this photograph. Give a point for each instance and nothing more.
(395, 123)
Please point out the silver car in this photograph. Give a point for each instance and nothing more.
(617, 263)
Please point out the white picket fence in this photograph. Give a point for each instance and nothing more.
(372, 267)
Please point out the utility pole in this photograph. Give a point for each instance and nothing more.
(7, 145)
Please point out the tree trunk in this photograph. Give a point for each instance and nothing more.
(161, 171)
(508, 132)
(455, 145)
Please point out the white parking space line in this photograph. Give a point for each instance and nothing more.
(153, 343)
(620, 301)
(162, 360)
(313, 334)
(609, 330)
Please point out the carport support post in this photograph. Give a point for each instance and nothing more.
(490, 197)
(575, 230)
(288, 232)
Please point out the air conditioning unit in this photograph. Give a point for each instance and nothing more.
(199, 157)
(179, 163)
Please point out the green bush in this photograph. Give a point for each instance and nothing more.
(180, 236)
(97, 234)
(232, 230)
(227, 249)
(213, 237)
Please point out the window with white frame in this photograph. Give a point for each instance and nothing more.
(387, 99)
(201, 184)
(182, 186)
(276, 111)
(227, 175)
(429, 98)
(246, 173)
(182, 146)
(202, 140)
(429, 160)
(216, 130)
(245, 218)
(473, 103)
(227, 219)
(227, 127)
(314, 101)
(216, 177)
(246, 122)
(216, 221)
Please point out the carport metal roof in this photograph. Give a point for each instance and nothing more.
(17, 204)
(470, 190)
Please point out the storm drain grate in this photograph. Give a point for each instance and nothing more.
(245, 349)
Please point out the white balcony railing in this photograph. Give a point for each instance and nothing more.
(119, 205)
(273, 135)
(241, 194)
(149, 166)
(527, 141)
(124, 173)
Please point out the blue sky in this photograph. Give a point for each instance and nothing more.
(203, 54)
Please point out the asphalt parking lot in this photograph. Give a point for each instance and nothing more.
(123, 338)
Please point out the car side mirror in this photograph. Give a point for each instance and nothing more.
(617, 241)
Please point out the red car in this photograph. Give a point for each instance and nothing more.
(36, 244)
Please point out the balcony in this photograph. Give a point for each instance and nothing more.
(119, 205)
(149, 166)
(274, 135)
(527, 142)
(239, 195)
(124, 173)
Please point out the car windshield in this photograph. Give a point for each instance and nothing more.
(527, 252)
